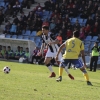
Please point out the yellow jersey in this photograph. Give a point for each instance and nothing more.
(73, 48)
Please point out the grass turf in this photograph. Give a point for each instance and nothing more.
(31, 82)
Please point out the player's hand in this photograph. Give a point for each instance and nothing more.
(56, 58)
(50, 43)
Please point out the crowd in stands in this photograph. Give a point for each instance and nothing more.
(59, 20)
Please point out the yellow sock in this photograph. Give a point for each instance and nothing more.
(60, 71)
(86, 76)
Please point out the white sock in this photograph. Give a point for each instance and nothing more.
(66, 69)
(50, 68)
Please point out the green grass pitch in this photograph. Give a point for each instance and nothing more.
(31, 82)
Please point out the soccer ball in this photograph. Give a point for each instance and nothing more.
(6, 69)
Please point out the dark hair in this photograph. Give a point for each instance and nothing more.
(76, 33)
(45, 27)
(9, 47)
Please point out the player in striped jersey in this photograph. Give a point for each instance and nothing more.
(49, 39)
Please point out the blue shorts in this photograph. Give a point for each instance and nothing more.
(76, 62)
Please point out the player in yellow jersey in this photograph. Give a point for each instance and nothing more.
(74, 47)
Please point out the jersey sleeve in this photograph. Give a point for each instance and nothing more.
(82, 46)
(52, 36)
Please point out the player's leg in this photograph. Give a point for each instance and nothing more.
(62, 65)
(47, 62)
(78, 64)
(95, 63)
(91, 63)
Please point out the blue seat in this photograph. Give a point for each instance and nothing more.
(84, 22)
(33, 33)
(20, 1)
(28, 32)
(45, 13)
(88, 38)
(80, 20)
(32, 39)
(73, 20)
(94, 38)
(37, 39)
(2, 4)
(26, 37)
(14, 36)
(13, 28)
(8, 36)
(20, 37)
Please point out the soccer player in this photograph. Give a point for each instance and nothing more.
(49, 39)
(74, 47)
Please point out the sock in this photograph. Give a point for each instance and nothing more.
(66, 69)
(50, 67)
(85, 74)
(60, 71)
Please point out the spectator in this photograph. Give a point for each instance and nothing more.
(59, 38)
(13, 29)
(39, 12)
(95, 30)
(35, 52)
(76, 25)
(16, 20)
(63, 29)
(17, 53)
(98, 12)
(30, 15)
(45, 23)
(38, 7)
(19, 29)
(16, 8)
(8, 13)
(47, 5)
(0, 48)
(69, 33)
(10, 53)
(52, 25)
(87, 29)
(1, 17)
(3, 53)
(94, 57)
(90, 21)
(26, 55)
(7, 28)
(82, 34)
(23, 16)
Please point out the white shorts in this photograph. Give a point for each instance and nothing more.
(53, 55)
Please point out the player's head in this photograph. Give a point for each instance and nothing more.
(76, 33)
(96, 44)
(45, 29)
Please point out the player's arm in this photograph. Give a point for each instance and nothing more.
(59, 50)
(83, 54)
(55, 41)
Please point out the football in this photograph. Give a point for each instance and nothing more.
(6, 70)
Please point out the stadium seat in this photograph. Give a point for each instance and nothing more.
(37, 39)
(27, 33)
(45, 13)
(80, 20)
(73, 20)
(13, 28)
(8, 36)
(94, 38)
(2, 4)
(88, 38)
(14, 36)
(33, 33)
(26, 37)
(32, 38)
(20, 37)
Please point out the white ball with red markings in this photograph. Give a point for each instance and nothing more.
(6, 70)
